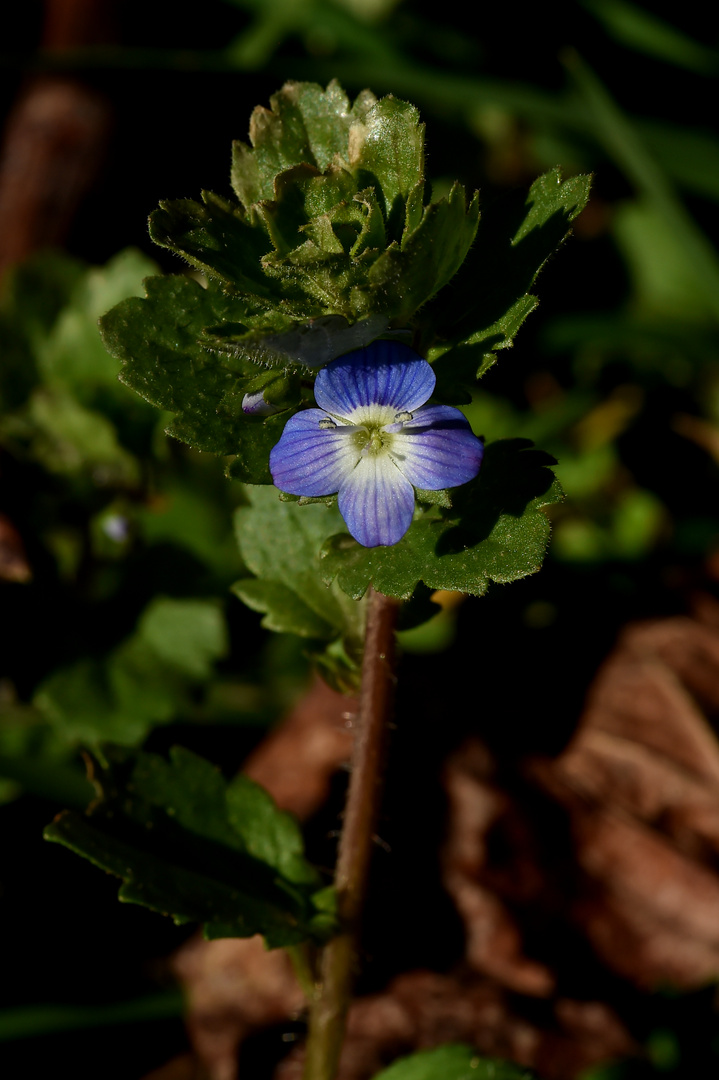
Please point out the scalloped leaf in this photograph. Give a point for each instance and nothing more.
(386, 152)
(490, 296)
(215, 238)
(461, 366)
(303, 194)
(403, 279)
(494, 531)
(190, 845)
(287, 587)
(159, 341)
(330, 246)
(304, 125)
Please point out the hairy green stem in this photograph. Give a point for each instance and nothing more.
(338, 961)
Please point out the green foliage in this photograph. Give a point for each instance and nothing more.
(34, 757)
(606, 515)
(330, 220)
(329, 245)
(55, 430)
(191, 845)
(491, 298)
(638, 28)
(145, 681)
(101, 503)
(494, 531)
(452, 1062)
(287, 587)
(66, 421)
(158, 340)
(58, 386)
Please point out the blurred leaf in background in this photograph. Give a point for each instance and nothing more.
(113, 516)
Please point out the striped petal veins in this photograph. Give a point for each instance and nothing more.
(373, 440)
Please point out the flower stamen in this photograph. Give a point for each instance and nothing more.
(374, 439)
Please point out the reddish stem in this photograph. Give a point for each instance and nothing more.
(338, 962)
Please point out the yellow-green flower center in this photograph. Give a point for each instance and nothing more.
(371, 439)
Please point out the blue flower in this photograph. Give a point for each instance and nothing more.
(373, 440)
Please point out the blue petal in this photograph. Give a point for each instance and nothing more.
(436, 449)
(377, 502)
(386, 373)
(310, 460)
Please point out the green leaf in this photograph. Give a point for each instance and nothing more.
(158, 340)
(403, 279)
(188, 635)
(191, 513)
(38, 290)
(53, 303)
(458, 368)
(494, 531)
(73, 353)
(661, 269)
(304, 125)
(490, 296)
(187, 844)
(34, 759)
(67, 438)
(452, 1062)
(145, 681)
(304, 199)
(34, 295)
(268, 834)
(280, 543)
(386, 152)
(284, 611)
(215, 237)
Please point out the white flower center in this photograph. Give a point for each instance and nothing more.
(372, 428)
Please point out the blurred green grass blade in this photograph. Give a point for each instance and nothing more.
(371, 59)
(688, 155)
(617, 134)
(645, 32)
(48, 778)
(274, 21)
(440, 89)
(31, 1021)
